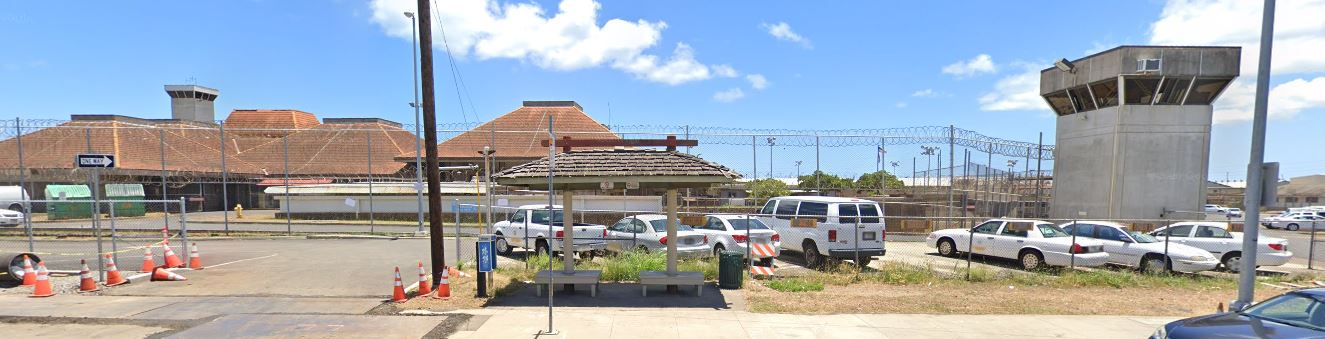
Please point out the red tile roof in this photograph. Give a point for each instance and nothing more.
(520, 132)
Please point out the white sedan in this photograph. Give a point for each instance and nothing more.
(1215, 238)
(1293, 222)
(1136, 249)
(736, 232)
(1034, 243)
(10, 217)
(648, 233)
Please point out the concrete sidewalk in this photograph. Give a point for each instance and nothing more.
(589, 322)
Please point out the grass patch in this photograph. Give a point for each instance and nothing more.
(627, 266)
(795, 285)
(620, 267)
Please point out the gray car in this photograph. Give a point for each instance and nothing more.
(648, 232)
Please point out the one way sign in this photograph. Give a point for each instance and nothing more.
(95, 161)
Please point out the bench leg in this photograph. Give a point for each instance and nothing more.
(538, 291)
(699, 290)
(593, 291)
(644, 290)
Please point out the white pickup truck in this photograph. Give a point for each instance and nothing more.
(528, 228)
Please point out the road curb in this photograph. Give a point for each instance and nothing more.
(355, 236)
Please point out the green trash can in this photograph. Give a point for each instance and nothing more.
(121, 196)
(75, 202)
(731, 270)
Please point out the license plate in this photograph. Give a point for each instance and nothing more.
(867, 236)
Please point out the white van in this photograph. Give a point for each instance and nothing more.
(826, 229)
(13, 198)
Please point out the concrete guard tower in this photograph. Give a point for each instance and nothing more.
(1133, 135)
(192, 103)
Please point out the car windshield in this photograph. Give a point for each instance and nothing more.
(740, 224)
(1296, 309)
(660, 226)
(1142, 237)
(1051, 231)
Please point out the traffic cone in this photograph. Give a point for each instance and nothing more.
(29, 275)
(113, 277)
(148, 263)
(86, 283)
(195, 261)
(172, 260)
(43, 286)
(165, 235)
(424, 287)
(453, 272)
(161, 274)
(444, 286)
(398, 294)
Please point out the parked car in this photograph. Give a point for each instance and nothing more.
(1140, 250)
(1034, 243)
(1296, 314)
(736, 232)
(13, 198)
(10, 217)
(648, 232)
(1233, 212)
(1293, 221)
(1212, 208)
(1215, 237)
(826, 229)
(529, 228)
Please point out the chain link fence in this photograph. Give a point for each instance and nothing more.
(75, 230)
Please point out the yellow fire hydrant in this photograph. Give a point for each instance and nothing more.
(239, 211)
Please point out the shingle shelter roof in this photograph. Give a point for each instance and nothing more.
(648, 168)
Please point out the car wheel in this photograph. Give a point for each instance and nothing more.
(587, 255)
(541, 247)
(1153, 265)
(1031, 260)
(812, 257)
(864, 262)
(503, 247)
(17, 208)
(1292, 227)
(766, 262)
(643, 248)
(717, 250)
(1233, 262)
(947, 248)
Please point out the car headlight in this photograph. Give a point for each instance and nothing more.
(1160, 333)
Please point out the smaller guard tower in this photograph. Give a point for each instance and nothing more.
(192, 103)
(1133, 134)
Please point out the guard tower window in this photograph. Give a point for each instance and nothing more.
(1139, 91)
(1106, 93)
(1205, 91)
(1172, 91)
(1081, 99)
(1060, 103)
(1147, 65)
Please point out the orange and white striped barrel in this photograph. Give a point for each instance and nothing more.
(763, 250)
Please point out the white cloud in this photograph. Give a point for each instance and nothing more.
(979, 64)
(757, 81)
(782, 31)
(729, 95)
(1299, 41)
(925, 93)
(725, 71)
(1020, 91)
(569, 39)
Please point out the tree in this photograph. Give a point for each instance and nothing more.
(767, 188)
(827, 181)
(871, 180)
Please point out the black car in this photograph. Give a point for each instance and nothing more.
(1296, 314)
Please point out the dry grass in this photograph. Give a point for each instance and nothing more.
(463, 291)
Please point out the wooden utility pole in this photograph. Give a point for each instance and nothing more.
(435, 233)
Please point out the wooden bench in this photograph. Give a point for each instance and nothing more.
(576, 277)
(648, 278)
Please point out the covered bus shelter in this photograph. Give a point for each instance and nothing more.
(573, 170)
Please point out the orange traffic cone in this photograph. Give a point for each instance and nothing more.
(195, 261)
(444, 285)
(172, 260)
(86, 283)
(398, 293)
(424, 287)
(29, 275)
(161, 274)
(148, 263)
(113, 277)
(453, 272)
(43, 286)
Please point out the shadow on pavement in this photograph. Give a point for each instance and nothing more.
(617, 295)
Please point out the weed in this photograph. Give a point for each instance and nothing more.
(795, 285)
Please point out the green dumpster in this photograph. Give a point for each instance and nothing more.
(78, 205)
(731, 269)
(121, 196)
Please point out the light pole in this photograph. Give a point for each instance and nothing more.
(929, 160)
(798, 174)
(418, 145)
(771, 140)
(1011, 165)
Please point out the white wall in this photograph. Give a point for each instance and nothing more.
(409, 204)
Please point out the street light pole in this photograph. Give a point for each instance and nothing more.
(770, 155)
(798, 174)
(1252, 200)
(418, 145)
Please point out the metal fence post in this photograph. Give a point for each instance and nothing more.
(114, 250)
(372, 219)
(23, 184)
(456, 211)
(1311, 250)
(1039, 177)
(289, 203)
(183, 226)
(952, 158)
(225, 191)
(970, 250)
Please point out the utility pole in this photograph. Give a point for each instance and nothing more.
(1255, 167)
(436, 236)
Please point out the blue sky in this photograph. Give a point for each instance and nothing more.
(834, 65)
